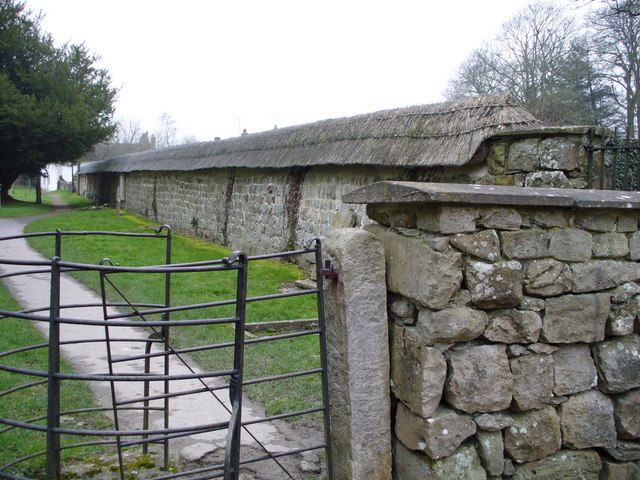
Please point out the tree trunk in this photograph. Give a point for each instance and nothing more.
(38, 189)
(6, 181)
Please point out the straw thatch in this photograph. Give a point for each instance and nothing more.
(445, 134)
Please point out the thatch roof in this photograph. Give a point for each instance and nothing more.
(444, 134)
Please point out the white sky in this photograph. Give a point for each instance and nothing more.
(220, 66)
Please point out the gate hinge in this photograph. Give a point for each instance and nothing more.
(329, 271)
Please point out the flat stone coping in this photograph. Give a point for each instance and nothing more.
(424, 192)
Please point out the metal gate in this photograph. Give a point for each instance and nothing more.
(145, 374)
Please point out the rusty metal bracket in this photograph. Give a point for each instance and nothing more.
(329, 271)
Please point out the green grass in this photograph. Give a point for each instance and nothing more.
(72, 199)
(21, 209)
(265, 277)
(23, 194)
(29, 403)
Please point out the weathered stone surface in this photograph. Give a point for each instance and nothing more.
(547, 278)
(547, 179)
(596, 221)
(417, 372)
(622, 318)
(463, 464)
(493, 422)
(550, 218)
(410, 465)
(513, 326)
(602, 274)
(625, 451)
(627, 222)
(534, 435)
(515, 350)
(625, 292)
(345, 218)
(575, 318)
(523, 156)
(532, 381)
(358, 364)
(559, 153)
(479, 379)
(411, 265)
(619, 471)
(462, 299)
(531, 303)
(451, 325)
(501, 218)
(574, 370)
(491, 452)
(627, 414)
(542, 348)
(562, 465)
(495, 285)
(438, 436)
(485, 244)
(570, 244)
(587, 421)
(610, 245)
(618, 363)
(524, 244)
(448, 219)
(402, 308)
(634, 246)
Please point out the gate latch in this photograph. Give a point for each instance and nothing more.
(329, 271)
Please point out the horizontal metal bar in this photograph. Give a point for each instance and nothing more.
(23, 387)
(182, 393)
(281, 295)
(282, 336)
(209, 427)
(181, 308)
(281, 254)
(142, 378)
(282, 376)
(283, 454)
(283, 415)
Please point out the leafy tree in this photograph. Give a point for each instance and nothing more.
(55, 105)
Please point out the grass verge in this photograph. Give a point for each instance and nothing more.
(265, 277)
(30, 403)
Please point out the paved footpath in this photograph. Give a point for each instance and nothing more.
(32, 291)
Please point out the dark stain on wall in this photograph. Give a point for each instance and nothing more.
(228, 196)
(295, 180)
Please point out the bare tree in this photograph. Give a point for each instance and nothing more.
(616, 7)
(127, 131)
(167, 131)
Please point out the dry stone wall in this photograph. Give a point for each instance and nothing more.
(514, 337)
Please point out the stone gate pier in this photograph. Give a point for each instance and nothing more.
(486, 332)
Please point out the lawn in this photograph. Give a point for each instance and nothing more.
(30, 403)
(265, 277)
(23, 203)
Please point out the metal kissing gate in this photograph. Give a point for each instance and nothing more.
(143, 375)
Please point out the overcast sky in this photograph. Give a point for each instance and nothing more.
(218, 67)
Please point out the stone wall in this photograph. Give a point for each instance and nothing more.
(264, 210)
(514, 336)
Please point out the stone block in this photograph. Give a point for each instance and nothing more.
(618, 363)
(496, 158)
(402, 308)
(524, 244)
(410, 465)
(547, 278)
(448, 220)
(411, 265)
(587, 421)
(479, 379)
(491, 452)
(438, 436)
(493, 422)
(547, 180)
(451, 325)
(619, 471)
(575, 318)
(625, 451)
(570, 245)
(523, 156)
(610, 245)
(513, 326)
(622, 319)
(484, 244)
(531, 303)
(532, 381)
(596, 221)
(602, 274)
(562, 465)
(495, 285)
(550, 218)
(627, 223)
(625, 292)
(574, 370)
(463, 464)
(534, 435)
(501, 218)
(562, 154)
(634, 246)
(417, 372)
(627, 414)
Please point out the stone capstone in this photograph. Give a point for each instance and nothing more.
(627, 414)
(513, 326)
(451, 325)
(495, 285)
(570, 244)
(438, 436)
(562, 465)
(418, 372)
(491, 452)
(532, 381)
(534, 435)
(547, 278)
(479, 379)
(574, 370)
(485, 244)
(587, 421)
(575, 318)
(412, 266)
(618, 363)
